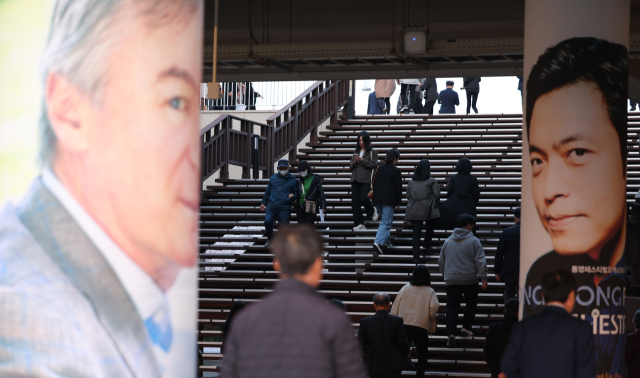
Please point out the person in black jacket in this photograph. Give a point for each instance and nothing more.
(310, 189)
(463, 194)
(507, 263)
(384, 342)
(472, 86)
(363, 164)
(552, 344)
(387, 196)
(498, 337)
(431, 95)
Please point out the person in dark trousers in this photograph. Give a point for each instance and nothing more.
(226, 327)
(632, 349)
(281, 193)
(293, 332)
(363, 163)
(472, 86)
(498, 337)
(384, 343)
(462, 262)
(633, 105)
(408, 88)
(250, 95)
(449, 99)
(310, 189)
(387, 196)
(423, 196)
(463, 195)
(431, 95)
(552, 343)
(507, 262)
(372, 106)
(417, 304)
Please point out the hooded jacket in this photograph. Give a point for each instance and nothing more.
(277, 194)
(462, 260)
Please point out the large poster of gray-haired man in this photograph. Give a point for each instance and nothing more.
(98, 259)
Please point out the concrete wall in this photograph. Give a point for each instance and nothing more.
(235, 172)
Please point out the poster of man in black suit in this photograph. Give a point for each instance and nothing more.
(576, 125)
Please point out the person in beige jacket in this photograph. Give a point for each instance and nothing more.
(417, 304)
(384, 89)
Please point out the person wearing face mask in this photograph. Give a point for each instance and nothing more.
(311, 195)
(281, 193)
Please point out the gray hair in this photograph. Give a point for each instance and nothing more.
(296, 248)
(80, 40)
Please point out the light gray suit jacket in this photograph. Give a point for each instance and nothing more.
(63, 311)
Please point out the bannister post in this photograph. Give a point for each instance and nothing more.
(224, 170)
(255, 150)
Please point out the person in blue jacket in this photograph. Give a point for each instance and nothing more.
(449, 99)
(281, 193)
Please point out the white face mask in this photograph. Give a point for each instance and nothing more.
(284, 172)
(304, 173)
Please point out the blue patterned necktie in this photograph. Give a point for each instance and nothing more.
(159, 327)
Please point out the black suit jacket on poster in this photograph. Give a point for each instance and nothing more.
(551, 344)
(384, 343)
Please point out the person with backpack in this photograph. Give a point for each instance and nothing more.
(312, 198)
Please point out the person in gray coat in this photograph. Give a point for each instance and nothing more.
(293, 332)
(431, 95)
(423, 196)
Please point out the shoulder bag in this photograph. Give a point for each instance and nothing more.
(310, 207)
(373, 179)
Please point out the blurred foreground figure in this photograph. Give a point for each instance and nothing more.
(293, 332)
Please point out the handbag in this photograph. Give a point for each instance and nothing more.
(373, 179)
(310, 207)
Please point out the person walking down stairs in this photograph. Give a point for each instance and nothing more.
(423, 196)
(363, 163)
(312, 198)
(387, 196)
(281, 193)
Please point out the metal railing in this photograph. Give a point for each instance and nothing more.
(257, 95)
(228, 139)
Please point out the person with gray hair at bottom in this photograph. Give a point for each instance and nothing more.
(632, 349)
(383, 340)
(293, 332)
(105, 241)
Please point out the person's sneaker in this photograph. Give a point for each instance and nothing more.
(375, 215)
(378, 248)
(632, 109)
(451, 343)
(403, 109)
(466, 333)
(411, 111)
(267, 244)
(359, 227)
(388, 245)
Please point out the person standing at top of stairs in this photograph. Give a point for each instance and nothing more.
(281, 193)
(363, 163)
(411, 85)
(449, 99)
(472, 86)
(384, 88)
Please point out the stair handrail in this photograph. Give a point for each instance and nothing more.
(224, 145)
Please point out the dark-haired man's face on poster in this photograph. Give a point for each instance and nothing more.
(578, 177)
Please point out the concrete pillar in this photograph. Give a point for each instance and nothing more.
(574, 161)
